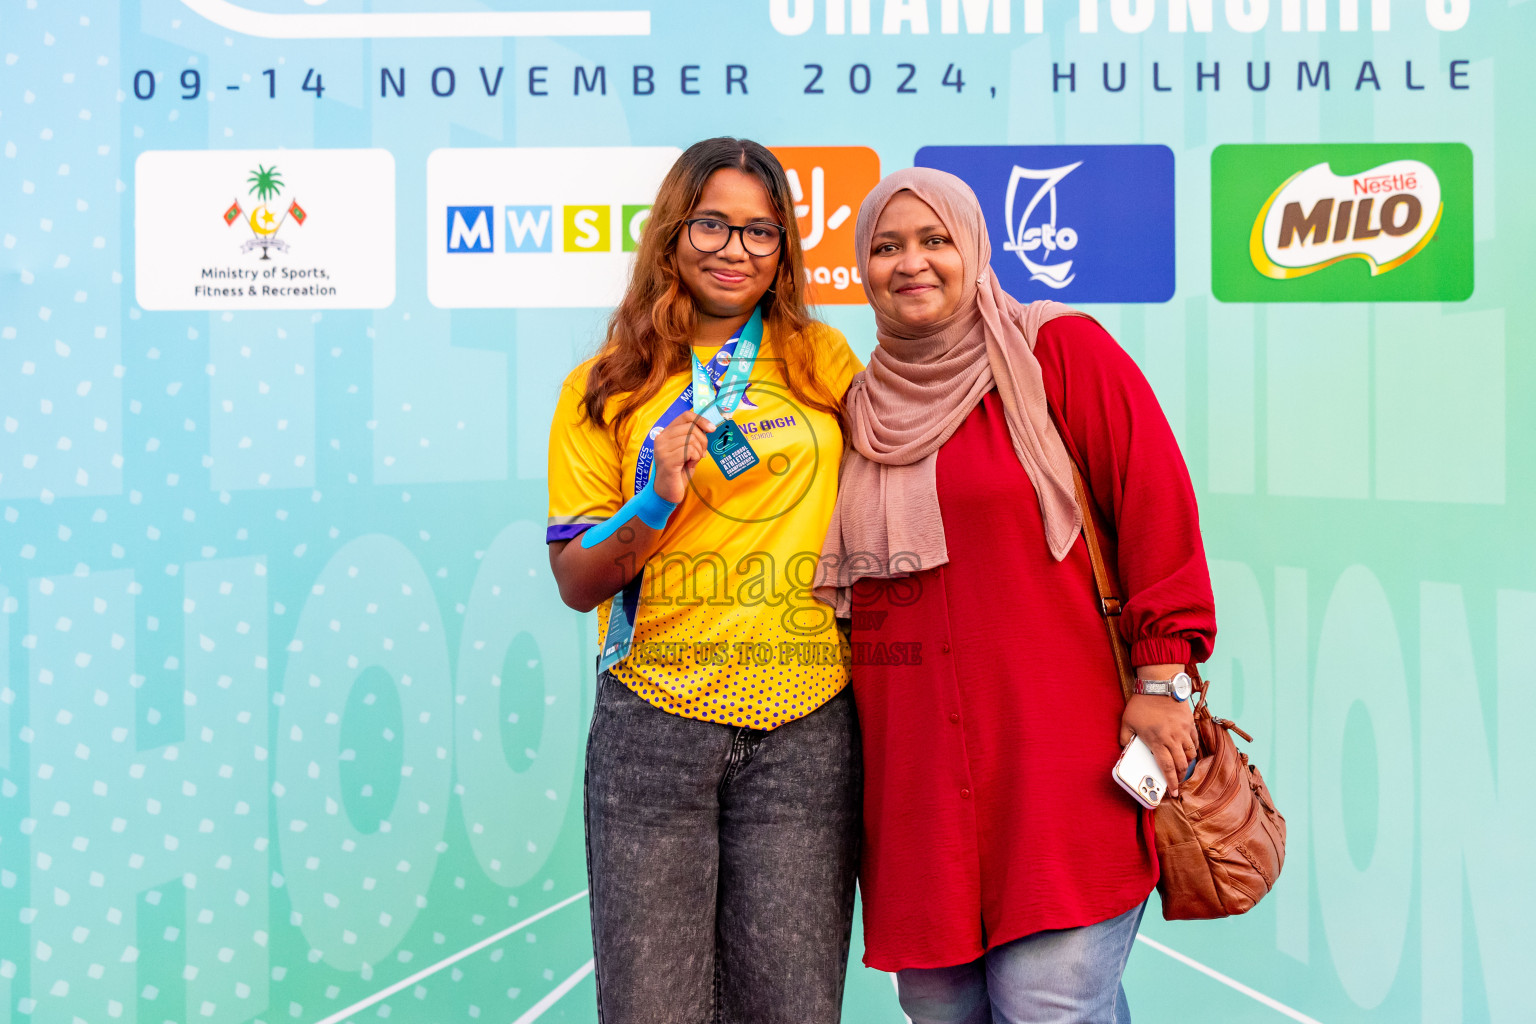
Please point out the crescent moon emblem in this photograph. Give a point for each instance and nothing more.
(258, 215)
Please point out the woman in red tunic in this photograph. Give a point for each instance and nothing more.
(1003, 871)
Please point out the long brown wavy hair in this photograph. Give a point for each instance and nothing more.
(650, 333)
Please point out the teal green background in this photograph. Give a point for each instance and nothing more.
(1243, 177)
(178, 635)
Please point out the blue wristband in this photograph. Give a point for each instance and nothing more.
(649, 507)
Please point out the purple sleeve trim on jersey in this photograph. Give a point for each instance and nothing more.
(566, 531)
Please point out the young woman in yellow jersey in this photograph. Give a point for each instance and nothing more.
(693, 471)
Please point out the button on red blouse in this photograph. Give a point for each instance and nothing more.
(1041, 837)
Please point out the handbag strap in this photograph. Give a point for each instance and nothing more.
(1104, 582)
(1108, 587)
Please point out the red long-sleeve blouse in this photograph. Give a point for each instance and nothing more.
(986, 689)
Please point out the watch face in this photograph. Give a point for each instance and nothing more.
(1183, 686)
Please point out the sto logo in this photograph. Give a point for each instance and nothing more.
(1074, 223)
(1047, 237)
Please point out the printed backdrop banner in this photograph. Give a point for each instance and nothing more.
(292, 718)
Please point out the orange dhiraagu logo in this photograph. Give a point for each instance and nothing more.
(1384, 216)
(828, 184)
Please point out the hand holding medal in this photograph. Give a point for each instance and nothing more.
(679, 447)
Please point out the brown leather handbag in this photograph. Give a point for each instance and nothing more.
(1220, 842)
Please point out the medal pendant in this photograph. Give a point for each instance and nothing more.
(729, 448)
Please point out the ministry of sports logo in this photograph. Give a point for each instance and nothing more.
(264, 229)
(1075, 223)
(266, 186)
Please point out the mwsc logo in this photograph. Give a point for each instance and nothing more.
(529, 228)
(1075, 223)
(1341, 223)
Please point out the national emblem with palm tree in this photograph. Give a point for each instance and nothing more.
(266, 185)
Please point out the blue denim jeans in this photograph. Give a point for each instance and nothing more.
(1070, 976)
(722, 863)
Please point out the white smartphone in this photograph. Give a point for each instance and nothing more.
(1138, 774)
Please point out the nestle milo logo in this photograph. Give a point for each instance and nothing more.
(1316, 218)
(1345, 223)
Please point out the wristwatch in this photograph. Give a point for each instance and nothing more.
(1179, 687)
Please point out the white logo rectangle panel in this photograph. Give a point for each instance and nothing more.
(264, 229)
(525, 228)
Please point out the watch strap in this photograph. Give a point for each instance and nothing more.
(1180, 687)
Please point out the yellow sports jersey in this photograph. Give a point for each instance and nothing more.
(726, 628)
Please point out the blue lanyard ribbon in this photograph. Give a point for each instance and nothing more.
(724, 395)
(625, 605)
(714, 393)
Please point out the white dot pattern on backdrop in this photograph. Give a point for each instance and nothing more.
(190, 830)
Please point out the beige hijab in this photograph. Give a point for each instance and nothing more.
(920, 385)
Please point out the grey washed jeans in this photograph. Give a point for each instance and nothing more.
(722, 863)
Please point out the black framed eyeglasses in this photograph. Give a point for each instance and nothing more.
(711, 234)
